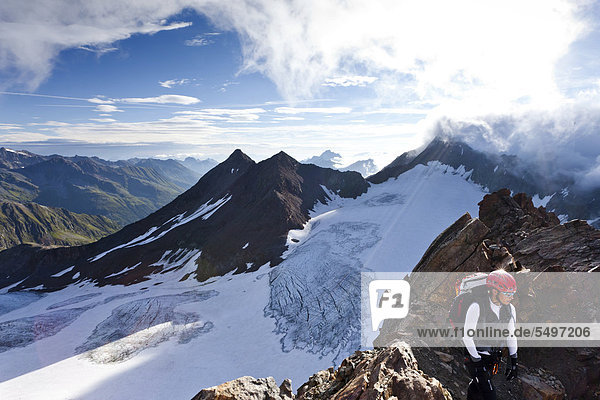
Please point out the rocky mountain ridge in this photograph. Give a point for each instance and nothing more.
(94, 196)
(498, 171)
(236, 218)
(390, 373)
(511, 233)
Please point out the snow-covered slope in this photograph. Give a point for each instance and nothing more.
(166, 338)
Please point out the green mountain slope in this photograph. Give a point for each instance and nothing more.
(123, 191)
(34, 223)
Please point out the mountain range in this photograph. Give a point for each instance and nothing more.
(255, 270)
(94, 196)
(558, 193)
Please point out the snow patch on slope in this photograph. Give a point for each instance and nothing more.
(205, 211)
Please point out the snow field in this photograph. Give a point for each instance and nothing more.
(258, 323)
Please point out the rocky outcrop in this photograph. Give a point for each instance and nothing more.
(536, 238)
(248, 388)
(514, 235)
(510, 218)
(388, 373)
(541, 386)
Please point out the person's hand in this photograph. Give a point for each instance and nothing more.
(512, 370)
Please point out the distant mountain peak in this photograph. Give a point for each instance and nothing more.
(238, 202)
(330, 154)
(237, 156)
(282, 158)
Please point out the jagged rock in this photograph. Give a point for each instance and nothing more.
(511, 219)
(454, 249)
(246, 388)
(386, 373)
(512, 234)
(574, 246)
(537, 388)
(285, 389)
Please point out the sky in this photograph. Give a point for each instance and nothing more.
(366, 79)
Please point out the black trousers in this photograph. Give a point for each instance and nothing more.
(481, 386)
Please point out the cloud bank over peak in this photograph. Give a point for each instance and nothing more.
(562, 141)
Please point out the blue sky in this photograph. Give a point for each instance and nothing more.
(370, 79)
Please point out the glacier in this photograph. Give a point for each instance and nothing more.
(171, 336)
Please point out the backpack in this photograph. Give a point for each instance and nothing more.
(469, 290)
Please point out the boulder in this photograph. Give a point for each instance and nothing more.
(537, 388)
(247, 388)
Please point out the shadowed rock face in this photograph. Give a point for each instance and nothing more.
(390, 373)
(514, 235)
(236, 218)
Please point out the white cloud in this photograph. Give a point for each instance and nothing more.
(103, 119)
(288, 119)
(107, 108)
(430, 50)
(350, 80)
(195, 134)
(49, 123)
(223, 88)
(561, 141)
(99, 49)
(163, 99)
(173, 82)
(399, 110)
(34, 32)
(437, 50)
(98, 100)
(222, 114)
(9, 127)
(197, 42)
(321, 110)
(201, 40)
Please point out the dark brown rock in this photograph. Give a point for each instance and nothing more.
(538, 388)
